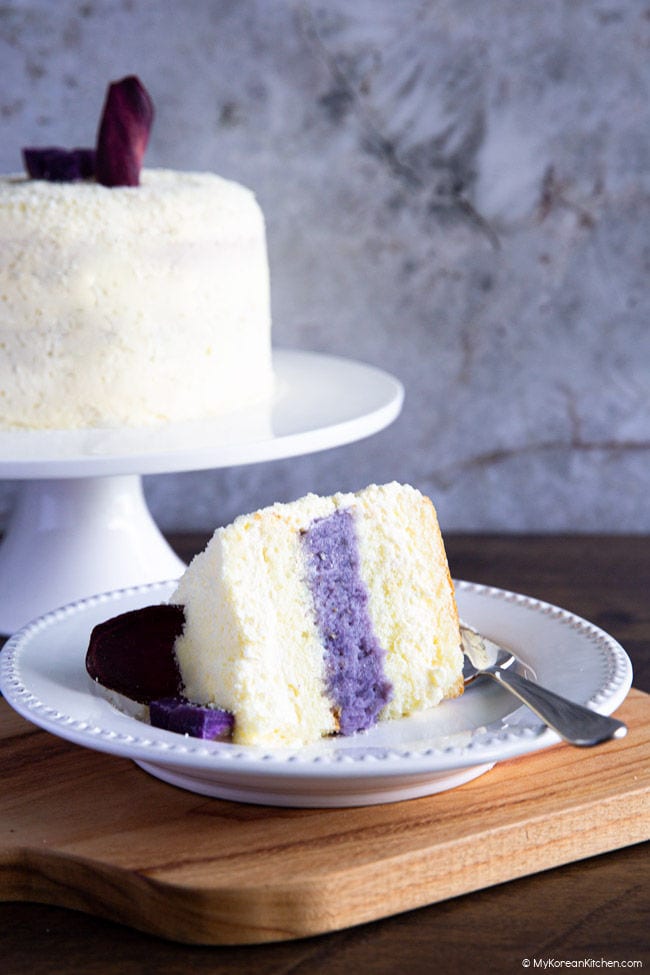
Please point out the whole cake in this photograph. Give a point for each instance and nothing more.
(306, 619)
(128, 296)
(131, 304)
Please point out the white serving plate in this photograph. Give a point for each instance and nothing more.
(43, 676)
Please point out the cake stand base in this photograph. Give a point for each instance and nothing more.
(44, 557)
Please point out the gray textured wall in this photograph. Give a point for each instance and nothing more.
(455, 190)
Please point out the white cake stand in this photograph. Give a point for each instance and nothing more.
(81, 524)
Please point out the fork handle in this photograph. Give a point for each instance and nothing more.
(573, 722)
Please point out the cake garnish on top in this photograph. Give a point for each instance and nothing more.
(122, 139)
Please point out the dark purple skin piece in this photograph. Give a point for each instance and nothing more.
(59, 165)
(179, 715)
(123, 133)
(133, 653)
(356, 683)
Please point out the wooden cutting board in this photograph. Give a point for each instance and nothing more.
(89, 831)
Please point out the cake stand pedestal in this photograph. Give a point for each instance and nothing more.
(81, 524)
(75, 536)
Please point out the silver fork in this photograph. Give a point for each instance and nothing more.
(573, 722)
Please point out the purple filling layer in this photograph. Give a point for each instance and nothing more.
(354, 672)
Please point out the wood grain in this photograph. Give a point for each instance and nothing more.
(95, 833)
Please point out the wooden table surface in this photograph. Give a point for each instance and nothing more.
(591, 911)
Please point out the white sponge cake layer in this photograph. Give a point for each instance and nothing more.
(250, 643)
(411, 596)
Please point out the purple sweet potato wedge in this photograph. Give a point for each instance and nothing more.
(122, 139)
(179, 715)
(133, 653)
(123, 133)
(59, 165)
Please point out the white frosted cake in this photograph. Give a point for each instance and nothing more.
(131, 305)
(320, 616)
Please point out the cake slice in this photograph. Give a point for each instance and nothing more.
(321, 616)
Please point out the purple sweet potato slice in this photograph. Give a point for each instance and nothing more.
(179, 715)
(133, 653)
(123, 133)
(59, 165)
(122, 139)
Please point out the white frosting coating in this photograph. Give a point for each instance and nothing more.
(131, 305)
